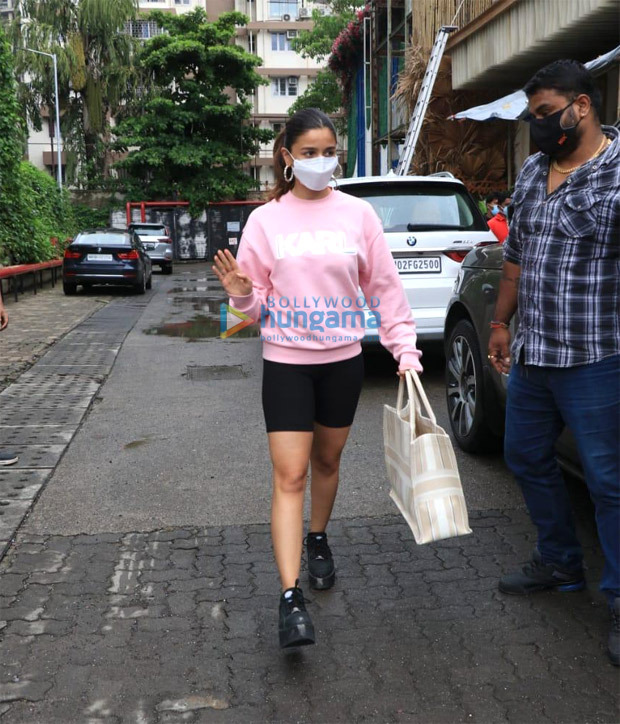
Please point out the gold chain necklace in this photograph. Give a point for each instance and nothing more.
(554, 164)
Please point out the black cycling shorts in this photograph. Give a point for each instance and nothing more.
(296, 396)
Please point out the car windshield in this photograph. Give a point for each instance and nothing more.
(103, 238)
(421, 207)
(150, 230)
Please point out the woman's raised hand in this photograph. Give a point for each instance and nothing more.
(226, 269)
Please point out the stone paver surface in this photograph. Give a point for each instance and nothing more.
(180, 626)
(37, 321)
(153, 625)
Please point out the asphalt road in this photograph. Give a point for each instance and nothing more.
(160, 449)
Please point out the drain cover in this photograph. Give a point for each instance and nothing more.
(200, 373)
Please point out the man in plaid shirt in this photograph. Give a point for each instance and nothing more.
(562, 274)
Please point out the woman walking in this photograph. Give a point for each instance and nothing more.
(302, 258)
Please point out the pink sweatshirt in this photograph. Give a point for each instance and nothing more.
(307, 260)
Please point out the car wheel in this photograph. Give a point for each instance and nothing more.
(149, 284)
(141, 286)
(465, 390)
(168, 269)
(69, 288)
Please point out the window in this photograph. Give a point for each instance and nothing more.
(420, 207)
(181, 2)
(279, 41)
(142, 29)
(284, 86)
(277, 126)
(103, 238)
(278, 8)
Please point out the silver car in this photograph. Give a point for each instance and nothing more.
(475, 392)
(157, 242)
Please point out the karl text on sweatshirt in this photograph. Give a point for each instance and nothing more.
(308, 260)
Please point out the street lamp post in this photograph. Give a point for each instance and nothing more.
(58, 151)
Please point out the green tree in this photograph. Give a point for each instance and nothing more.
(325, 93)
(190, 139)
(95, 68)
(12, 138)
(32, 210)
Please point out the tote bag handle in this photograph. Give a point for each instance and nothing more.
(411, 379)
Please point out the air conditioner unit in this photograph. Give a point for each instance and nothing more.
(290, 34)
(286, 17)
(304, 13)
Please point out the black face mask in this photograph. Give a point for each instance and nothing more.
(550, 136)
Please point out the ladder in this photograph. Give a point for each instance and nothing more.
(424, 97)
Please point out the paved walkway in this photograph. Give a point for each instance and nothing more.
(178, 624)
(37, 321)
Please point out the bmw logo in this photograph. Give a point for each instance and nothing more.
(411, 240)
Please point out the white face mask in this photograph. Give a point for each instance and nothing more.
(314, 173)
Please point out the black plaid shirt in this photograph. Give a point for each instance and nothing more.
(568, 246)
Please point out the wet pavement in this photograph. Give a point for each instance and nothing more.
(141, 587)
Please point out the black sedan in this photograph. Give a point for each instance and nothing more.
(475, 392)
(106, 256)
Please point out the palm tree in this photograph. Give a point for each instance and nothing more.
(95, 68)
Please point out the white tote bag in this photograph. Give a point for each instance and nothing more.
(421, 467)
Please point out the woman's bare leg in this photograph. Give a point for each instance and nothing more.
(327, 447)
(290, 454)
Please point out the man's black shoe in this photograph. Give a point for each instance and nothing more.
(321, 569)
(538, 576)
(613, 642)
(296, 627)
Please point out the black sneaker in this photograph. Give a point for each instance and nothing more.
(321, 569)
(8, 458)
(537, 576)
(296, 627)
(613, 642)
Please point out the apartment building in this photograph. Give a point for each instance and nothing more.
(6, 10)
(144, 29)
(269, 34)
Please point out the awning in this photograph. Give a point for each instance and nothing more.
(513, 106)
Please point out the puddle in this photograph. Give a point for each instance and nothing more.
(210, 305)
(135, 443)
(197, 373)
(199, 327)
(180, 290)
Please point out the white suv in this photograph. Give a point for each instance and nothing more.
(430, 223)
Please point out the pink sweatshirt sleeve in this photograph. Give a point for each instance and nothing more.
(379, 278)
(253, 252)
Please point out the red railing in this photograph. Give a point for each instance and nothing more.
(19, 271)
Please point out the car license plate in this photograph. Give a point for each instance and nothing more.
(99, 257)
(150, 246)
(418, 264)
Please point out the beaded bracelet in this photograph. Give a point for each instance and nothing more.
(498, 325)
